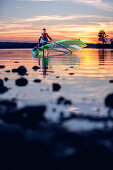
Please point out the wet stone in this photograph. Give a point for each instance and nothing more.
(67, 102)
(21, 82)
(109, 101)
(35, 68)
(1, 82)
(37, 81)
(28, 116)
(2, 66)
(6, 79)
(56, 87)
(21, 70)
(57, 77)
(61, 100)
(71, 74)
(3, 89)
(111, 81)
(14, 70)
(7, 71)
(7, 106)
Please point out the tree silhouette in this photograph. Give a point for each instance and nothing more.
(102, 36)
(111, 40)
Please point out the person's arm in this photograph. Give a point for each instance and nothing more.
(49, 37)
(40, 38)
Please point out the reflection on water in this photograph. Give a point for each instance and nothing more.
(84, 77)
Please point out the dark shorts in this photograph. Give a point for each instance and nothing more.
(41, 44)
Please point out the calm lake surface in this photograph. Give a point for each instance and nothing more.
(86, 86)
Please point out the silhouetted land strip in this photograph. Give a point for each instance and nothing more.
(12, 45)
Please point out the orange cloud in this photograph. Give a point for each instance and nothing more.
(28, 30)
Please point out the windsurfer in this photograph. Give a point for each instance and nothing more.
(44, 38)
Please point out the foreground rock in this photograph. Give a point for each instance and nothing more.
(62, 100)
(35, 68)
(21, 82)
(20, 70)
(111, 81)
(3, 89)
(7, 106)
(56, 87)
(52, 147)
(28, 116)
(2, 66)
(37, 81)
(109, 101)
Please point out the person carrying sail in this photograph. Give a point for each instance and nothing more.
(44, 38)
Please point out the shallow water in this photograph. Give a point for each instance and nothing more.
(87, 87)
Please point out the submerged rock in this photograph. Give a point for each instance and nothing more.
(6, 79)
(2, 66)
(37, 81)
(21, 82)
(14, 70)
(56, 87)
(35, 68)
(3, 89)
(22, 70)
(109, 101)
(27, 116)
(7, 71)
(7, 106)
(71, 74)
(62, 100)
(111, 81)
(67, 102)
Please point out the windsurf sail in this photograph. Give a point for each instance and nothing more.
(70, 45)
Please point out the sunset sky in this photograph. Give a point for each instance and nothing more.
(23, 20)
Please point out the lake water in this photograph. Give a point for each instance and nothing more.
(84, 79)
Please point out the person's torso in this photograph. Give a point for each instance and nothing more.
(44, 36)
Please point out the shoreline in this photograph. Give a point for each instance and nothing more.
(18, 45)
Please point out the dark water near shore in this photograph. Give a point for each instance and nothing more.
(86, 86)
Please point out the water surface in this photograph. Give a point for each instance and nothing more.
(83, 76)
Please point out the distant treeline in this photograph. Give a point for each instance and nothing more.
(11, 45)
